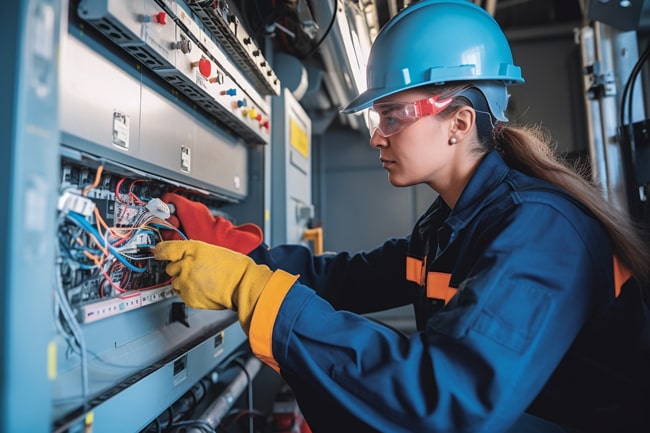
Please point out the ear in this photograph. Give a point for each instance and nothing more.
(462, 123)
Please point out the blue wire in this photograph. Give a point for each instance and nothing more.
(84, 224)
(162, 226)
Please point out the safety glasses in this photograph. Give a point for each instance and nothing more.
(389, 118)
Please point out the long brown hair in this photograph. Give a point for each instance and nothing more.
(531, 150)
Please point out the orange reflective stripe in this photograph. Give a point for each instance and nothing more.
(415, 270)
(266, 310)
(438, 286)
(621, 275)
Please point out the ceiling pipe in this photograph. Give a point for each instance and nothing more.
(392, 7)
(491, 6)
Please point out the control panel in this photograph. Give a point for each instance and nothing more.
(155, 96)
(168, 38)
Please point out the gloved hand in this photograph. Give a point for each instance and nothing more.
(211, 277)
(196, 221)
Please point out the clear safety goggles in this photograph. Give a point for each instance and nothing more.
(389, 118)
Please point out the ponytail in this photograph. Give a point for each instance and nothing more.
(529, 150)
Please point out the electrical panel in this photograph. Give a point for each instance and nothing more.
(30, 33)
(154, 96)
(292, 210)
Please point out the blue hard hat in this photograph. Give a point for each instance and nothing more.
(436, 42)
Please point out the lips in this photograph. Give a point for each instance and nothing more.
(386, 163)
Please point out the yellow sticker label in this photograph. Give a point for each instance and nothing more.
(298, 138)
(51, 361)
(89, 420)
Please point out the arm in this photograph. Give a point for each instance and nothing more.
(479, 363)
(365, 282)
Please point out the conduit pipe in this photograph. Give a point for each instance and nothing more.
(216, 412)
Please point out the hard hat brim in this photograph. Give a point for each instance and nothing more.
(365, 100)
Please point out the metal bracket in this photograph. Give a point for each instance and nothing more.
(602, 84)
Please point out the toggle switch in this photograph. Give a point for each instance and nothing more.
(218, 78)
(185, 45)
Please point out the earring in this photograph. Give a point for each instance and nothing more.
(452, 140)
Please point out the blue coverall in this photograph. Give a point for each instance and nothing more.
(513, 291)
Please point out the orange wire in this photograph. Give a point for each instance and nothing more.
(99, 246)
(99, 219)
(98, 177)
(111, 282)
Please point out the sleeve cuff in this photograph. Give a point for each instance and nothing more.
(262, 323)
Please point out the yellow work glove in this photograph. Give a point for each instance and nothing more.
(212, 277)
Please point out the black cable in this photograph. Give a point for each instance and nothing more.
(627, 138)
(194, 403)
(327, 32)
(629, 86)
(201, 425)
(170, 421)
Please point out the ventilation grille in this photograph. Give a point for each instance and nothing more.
(123, 37)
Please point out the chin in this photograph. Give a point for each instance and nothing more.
(399, 182)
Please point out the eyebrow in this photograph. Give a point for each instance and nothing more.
(391, 104)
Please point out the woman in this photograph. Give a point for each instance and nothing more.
(515, 271)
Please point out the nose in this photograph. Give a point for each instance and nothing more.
(377, 140)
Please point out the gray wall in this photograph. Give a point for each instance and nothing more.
(358, 206)
(552, 95)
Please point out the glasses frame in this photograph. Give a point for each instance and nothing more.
(403, 114)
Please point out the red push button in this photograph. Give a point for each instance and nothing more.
(160, 18)
(205, 67)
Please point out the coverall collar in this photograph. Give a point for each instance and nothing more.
(488, 175)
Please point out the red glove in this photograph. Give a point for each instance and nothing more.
(195, 220)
